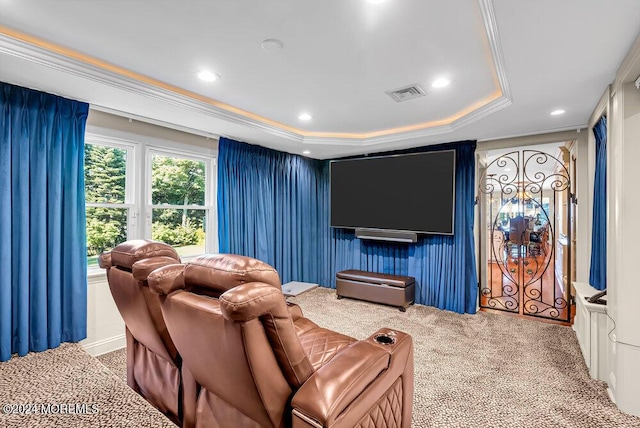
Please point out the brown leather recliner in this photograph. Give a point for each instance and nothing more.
(153, 363)
(257, 363)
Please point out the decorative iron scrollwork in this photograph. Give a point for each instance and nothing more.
(521, 189)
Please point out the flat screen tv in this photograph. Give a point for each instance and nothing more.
(412, 192)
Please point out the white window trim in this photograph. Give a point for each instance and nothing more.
(140, 150)
(211, 244)
(130, 149)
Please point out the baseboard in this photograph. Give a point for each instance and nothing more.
(105, 345)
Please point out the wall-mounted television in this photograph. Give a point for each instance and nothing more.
(413, 192)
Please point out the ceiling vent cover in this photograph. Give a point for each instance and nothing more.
(406, 93)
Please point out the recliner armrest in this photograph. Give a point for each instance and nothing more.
(334, 386)
(104, 260)
(252, 300)
(143, 268)
(166, 279)
(295, 311)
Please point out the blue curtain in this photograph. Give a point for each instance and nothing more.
(598, 269)
(43, 278)
(274, 206)
(444, 266)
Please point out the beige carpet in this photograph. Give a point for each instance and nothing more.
(477, 371)
(75, 389)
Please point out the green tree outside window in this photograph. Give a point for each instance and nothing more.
(105, 181)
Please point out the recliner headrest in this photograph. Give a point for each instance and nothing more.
(221, 272)
(129, 252)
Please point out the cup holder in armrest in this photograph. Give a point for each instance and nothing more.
(385, 339)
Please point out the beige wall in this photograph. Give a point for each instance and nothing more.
(529, 140)
(119, 124)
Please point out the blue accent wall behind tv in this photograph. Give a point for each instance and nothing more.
(274, 206)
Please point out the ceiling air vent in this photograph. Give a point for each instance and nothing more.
(406, 93)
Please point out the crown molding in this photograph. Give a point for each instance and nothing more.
(493, 38)
(383, 139)
(628, 70)
(58, 58)
(47, 58)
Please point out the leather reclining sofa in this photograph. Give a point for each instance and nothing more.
(153, 362)
(247, 358)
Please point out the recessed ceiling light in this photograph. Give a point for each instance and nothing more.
(306, 152)
(376, 1)
(440, 83)
(305, 116)
(557, 112)
(208, 76)
(507, 169)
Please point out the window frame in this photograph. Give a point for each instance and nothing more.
(138, 197)
(211, 245)
(129, 186)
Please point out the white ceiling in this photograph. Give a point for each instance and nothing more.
(510, 63)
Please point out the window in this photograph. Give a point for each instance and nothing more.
(108, 202)
(178, 202)
(169, 188)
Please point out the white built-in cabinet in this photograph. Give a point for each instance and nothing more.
(590, 325)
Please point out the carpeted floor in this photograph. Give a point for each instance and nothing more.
(482, 370)
(80, 390)
(116, 361)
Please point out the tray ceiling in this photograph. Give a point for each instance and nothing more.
(509, 65)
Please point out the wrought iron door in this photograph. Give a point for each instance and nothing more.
(526, 202)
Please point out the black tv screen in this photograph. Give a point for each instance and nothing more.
(413, 192)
